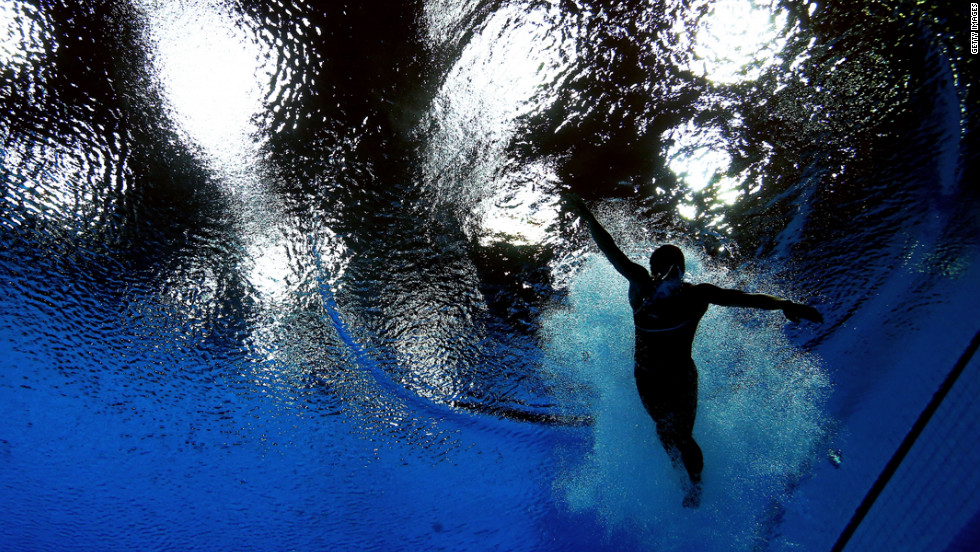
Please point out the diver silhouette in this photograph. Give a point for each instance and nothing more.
(666, 313)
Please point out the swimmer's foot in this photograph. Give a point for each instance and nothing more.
(693, 497)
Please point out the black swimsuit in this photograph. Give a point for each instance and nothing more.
(666, 376)
(654, 316)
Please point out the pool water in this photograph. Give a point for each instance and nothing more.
(287, 276)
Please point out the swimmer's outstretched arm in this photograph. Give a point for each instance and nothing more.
(735, 298)
(619, 260)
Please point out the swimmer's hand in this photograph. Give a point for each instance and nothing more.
(574, 203)
(795, 312)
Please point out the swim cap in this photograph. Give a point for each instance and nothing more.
(664, 258)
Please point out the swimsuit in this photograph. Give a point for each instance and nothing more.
(666, 376)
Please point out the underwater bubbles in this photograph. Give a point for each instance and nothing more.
(761, 419)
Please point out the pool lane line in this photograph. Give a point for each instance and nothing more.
(906, 446)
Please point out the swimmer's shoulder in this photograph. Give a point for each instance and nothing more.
(702, 290)
(702, 293)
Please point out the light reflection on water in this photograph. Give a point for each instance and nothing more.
(508, 71)
(737, 40)
(22, 34)
(521, 211)
(698, 158)
(53, 176)
(220, 72)
(216, 72)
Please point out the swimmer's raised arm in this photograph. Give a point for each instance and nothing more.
(604, 240)
(736, 298)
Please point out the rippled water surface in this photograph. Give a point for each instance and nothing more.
(296, 276)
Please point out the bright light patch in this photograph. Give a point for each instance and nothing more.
(214, 73)
(58, 182)
(505, 72)
(20, 33)
(521, 218)
(697, 165)
(269, 268)
(737, 40)
(508, 71)
(689, 212)
(698, 159)
(511, 61)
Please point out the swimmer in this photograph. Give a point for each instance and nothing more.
(666, 313)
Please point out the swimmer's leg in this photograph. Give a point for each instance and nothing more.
(694, 463)
(673, 405)
(684, 452)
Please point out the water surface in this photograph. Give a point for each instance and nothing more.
(287, 276)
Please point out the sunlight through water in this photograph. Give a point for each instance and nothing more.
(504, 73)
(697, 157)
(214, 73)
(737, 40)
(521, 213)
(21, 36)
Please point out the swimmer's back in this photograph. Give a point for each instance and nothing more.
(665, 326)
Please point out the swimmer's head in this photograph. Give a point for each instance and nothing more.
(667, 262)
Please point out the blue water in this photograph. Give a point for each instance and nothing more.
(280, 276)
